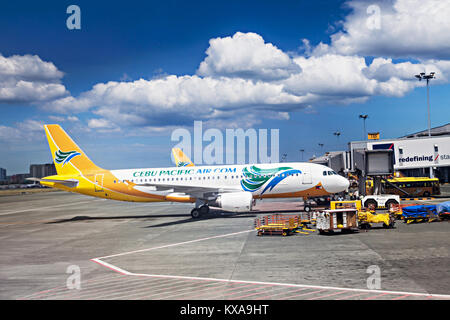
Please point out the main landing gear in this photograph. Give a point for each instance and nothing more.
(200, 211)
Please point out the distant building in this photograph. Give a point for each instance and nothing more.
(415, 154)
(443, 130)
(19, 178)
(2, 174)
(42, 170)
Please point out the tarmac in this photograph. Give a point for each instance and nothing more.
(157, 251)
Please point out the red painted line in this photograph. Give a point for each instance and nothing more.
(40, 293)
(251, 294)
(292, 291)
(436, 157)
(327, 295)
(303, 294)
(209, 286)
(267, 297)
(115, 292)
(205, 292)
(97, 291)
(230, 289)
(106, 285)
(160, 286)
(401, 297)
(248, 295)
(373, 297)
(354, 295)
(144, 292)
(169, 289)
(233, 293)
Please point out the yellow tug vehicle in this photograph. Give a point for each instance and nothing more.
(368, 216)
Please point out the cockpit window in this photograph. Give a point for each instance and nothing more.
(324, 173)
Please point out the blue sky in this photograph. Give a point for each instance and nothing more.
(104, 77)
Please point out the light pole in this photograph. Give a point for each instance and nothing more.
(337, 134)
(427, 77)
(364, 117)
(321, 147)
(302, 151)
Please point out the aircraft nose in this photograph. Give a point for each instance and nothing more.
(336, 184)
(344, 183)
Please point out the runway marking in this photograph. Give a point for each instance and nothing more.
(377, 296)
(51, 207)
(177, 292)
(115, 291)
(52, 290)
(171, 245)
(353, 295)
(303, 294)
(327, 295)
(222, 293)
(401, 297)
(380, 293)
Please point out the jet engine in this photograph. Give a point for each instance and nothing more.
(234, 201)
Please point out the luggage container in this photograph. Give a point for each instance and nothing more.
(420, 213)
(338, 220)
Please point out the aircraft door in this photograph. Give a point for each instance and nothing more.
(306, 175)
(99, 182)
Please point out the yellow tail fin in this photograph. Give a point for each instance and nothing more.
(181, 160)
(68, 157)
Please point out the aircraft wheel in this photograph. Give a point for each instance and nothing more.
(307, 208)
(204, 209)
(195, 213)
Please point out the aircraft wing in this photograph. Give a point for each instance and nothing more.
(71, 183)
(198, 192)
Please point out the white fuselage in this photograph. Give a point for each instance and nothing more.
(260, 179)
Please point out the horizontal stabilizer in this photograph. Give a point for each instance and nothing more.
(71, 183)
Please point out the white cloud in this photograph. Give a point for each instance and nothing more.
(246, 55)
(176, 99)
(244, 80)
(406, 29)
(27, 130)
(29, 79)
(102, 125)
(63, 119)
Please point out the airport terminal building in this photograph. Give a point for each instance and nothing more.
(415, 155)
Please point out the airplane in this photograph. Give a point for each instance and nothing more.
(229, 187)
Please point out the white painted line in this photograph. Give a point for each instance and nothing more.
(110, 266)
(45, 208)
(173, 245)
